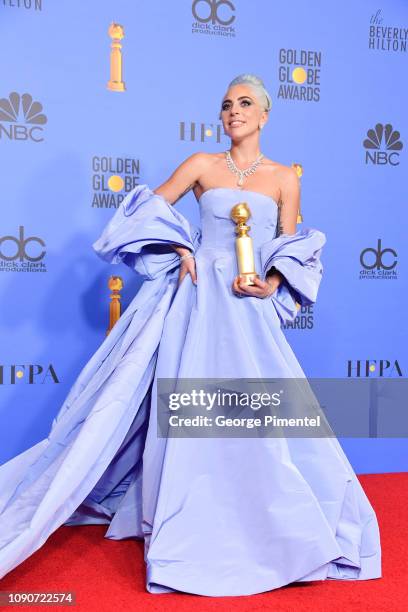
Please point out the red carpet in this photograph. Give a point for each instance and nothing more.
(109, 575)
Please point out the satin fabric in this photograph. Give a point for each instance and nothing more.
(219, 516)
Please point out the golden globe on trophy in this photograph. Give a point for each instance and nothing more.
(240, 213)
(116, 33)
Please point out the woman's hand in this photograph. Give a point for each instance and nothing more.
(187, 266)
(261, 289)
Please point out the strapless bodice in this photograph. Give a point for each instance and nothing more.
(217, 227)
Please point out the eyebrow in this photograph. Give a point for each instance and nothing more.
(240, 98)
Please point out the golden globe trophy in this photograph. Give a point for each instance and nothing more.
(240, 213)
(116, 32)
(115, 284)
(299, 172)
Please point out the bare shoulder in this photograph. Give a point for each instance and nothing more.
(203, 165)
(286, 173)
(186, 176)
(201, 161)
(285, 177)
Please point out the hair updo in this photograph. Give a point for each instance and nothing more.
(257, 86)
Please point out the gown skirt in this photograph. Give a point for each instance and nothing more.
(218, 516)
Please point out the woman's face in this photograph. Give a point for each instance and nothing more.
(241, 112)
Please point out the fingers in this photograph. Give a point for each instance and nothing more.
(240, 287)
(247, 289)
(261, 284)
(236, 286)
(188, 267)
(193, 272)
(181, 277)
(264, 286)
(260, 289)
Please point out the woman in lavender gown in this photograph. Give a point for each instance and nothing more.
(218, 516)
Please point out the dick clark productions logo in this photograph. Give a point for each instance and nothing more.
(16, 255)
(213, 17)
(378, 262)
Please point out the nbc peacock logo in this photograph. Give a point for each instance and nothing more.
(21, 118)
(382, 145)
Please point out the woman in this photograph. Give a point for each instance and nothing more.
(218, 515)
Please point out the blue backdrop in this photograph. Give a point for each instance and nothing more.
(71, 148)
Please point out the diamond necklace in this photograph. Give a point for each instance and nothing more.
(242, 173)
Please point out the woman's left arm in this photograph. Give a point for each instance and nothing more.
(288, 206)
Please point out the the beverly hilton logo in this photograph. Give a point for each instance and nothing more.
(21, 118)
(213, 18)
(195, 131)
(383, 37)
(35, 5)
(382, 145)
(112, 179)
(299, 75)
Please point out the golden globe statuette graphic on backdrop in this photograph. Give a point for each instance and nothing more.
(299, 170)
(240, 213)
(116, 32)
(115, 284)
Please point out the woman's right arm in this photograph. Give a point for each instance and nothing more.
(184, 178)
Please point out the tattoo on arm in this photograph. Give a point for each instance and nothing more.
(183, 193)
(279, 230)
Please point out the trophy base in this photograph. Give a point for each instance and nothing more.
(116, 86)
(247, 278)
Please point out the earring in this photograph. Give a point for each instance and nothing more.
(260, 126)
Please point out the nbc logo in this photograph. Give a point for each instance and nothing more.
(21, 118)
(382, 145)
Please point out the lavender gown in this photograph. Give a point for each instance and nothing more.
(218, 516)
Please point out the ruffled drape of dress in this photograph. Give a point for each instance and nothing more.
(297, 257)
(141, 234)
